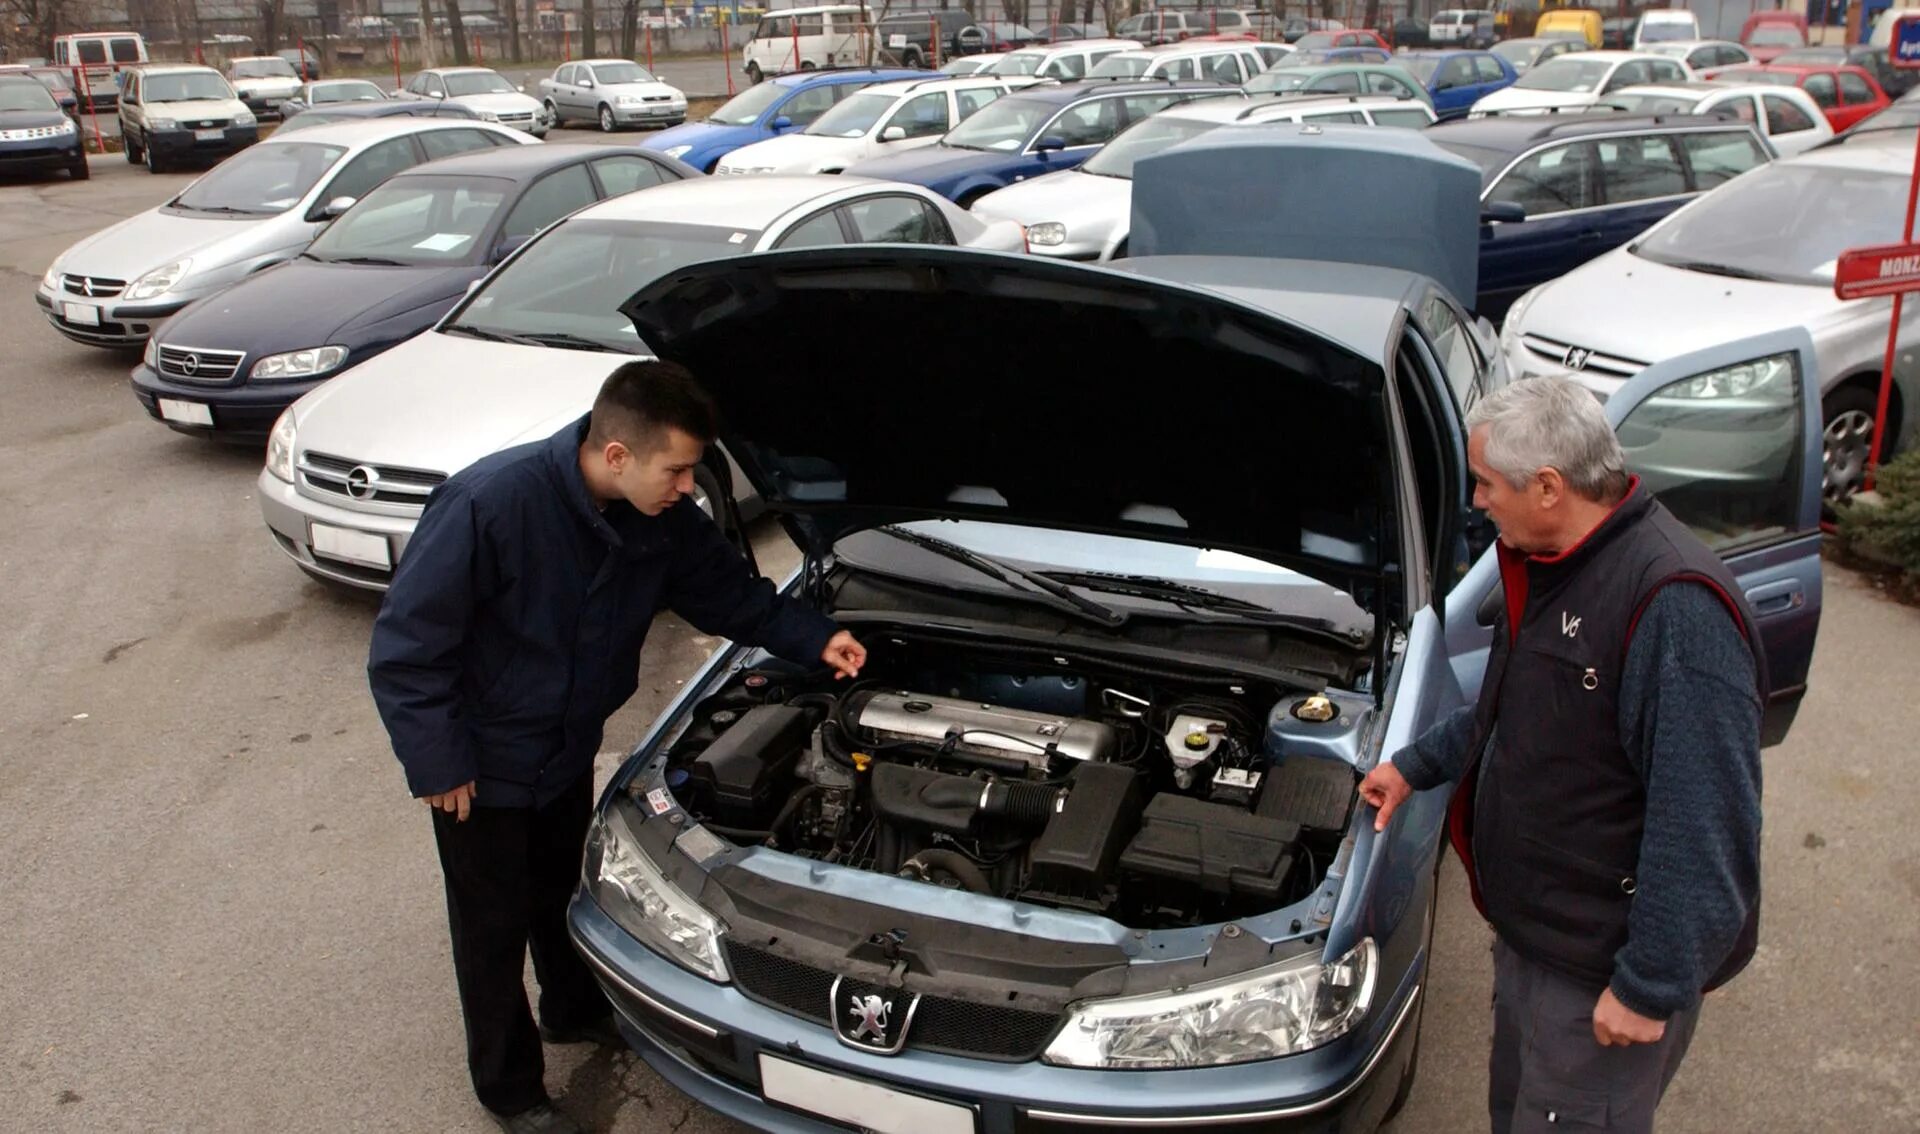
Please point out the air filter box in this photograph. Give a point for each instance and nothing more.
(1220, 850)
(735, 779)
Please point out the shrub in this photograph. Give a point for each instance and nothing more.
(1889, 532)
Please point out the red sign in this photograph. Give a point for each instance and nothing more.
(1884, 270)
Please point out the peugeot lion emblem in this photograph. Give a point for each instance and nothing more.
(1576, 358)
(362, 482)
(870, 1017)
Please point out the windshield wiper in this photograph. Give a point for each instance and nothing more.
(473, 332)
(227, 209)
(378, 261)
(1056, 595)
(1713, 269)
(1195, 599)
(560, 339)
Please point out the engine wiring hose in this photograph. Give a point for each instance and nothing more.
(953, 863)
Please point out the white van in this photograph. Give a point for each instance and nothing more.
(805, 39)
(1663, 25)
(100, 54)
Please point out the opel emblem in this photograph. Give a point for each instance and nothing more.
(1576, 358)
(362, 482)
(870, 1017)
(190, 365)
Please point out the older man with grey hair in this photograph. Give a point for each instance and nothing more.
(1608, 808)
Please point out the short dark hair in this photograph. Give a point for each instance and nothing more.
(643, 399)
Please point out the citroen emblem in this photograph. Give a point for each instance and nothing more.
(190, 365)
(1577, 358)
(362, 482)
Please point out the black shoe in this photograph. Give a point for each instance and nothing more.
(542, 1119)
(601, 1031)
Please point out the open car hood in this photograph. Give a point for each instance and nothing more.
(1109, 401)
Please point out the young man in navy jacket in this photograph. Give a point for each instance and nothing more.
(511, 632)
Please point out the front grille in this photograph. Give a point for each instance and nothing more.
(192, 364)
(377, 484)
(942, 1024)
(206, 124)
(1556, 353)
(94, 286)
(656, 98)
(29, 133)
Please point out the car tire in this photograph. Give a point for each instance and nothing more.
(755, 74)
(553, 114)
(912, 58)
(1846, 417)
(607, 124)
(154, 164)
(128, 148)
(80, 170)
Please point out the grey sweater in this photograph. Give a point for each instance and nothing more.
(1690, 723)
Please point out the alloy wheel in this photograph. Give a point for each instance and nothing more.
(1847, 444)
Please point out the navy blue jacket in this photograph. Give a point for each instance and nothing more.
(514, 623)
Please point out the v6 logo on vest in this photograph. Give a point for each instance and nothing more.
(1569, 624)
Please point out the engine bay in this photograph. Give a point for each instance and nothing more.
(1157, 799)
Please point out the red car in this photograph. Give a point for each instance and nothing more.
(1346, 37)
(1846, 94)
(1769, 35)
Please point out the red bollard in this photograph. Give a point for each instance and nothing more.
(933, 40)
(396, 60)
(85, 88)
(726, 67)
(650, 47)
(795, 24)
(199, 56)
(566, 39)
(479, 56)
(301, 41)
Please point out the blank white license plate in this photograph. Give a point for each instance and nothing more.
(185, 413)
(354, 547)
(866, 1105)
(209, 135)
(85, 314)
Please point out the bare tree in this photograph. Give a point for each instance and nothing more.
(41, 19)
(511, 11)
(629, 27)
(586, 29)
(427, 53)
(273, 13)
(457, 28)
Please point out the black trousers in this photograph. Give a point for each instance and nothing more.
(510, 872)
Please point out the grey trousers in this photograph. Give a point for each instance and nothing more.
(1549, 1074)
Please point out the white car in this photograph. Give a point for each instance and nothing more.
(254, 210)
(972, 64)
(263, 82)
(1231, 62)
(611, 93)
(1086, 213)
(1756, 254)
(485, 92)
(1065, 61)
(1580, 80)
(1702, 56)
(1787, 117)
(877, 121)
(349, 466)
(1665, 25)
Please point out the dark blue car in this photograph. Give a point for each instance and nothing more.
(1038, 131)
(780, 105)
(1456, 79)
(1558, 190)
(36, 136)
(385, 271)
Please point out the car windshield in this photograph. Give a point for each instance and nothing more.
(25, 94)
(609, 73)
(1420, 67)
(1019, 63)
(185, 87)
(1787, 222)
(1518, 52)
(346, 92)
(1654, 103)
(476, 83)
(261, 179)
(1132, 26)
(1814, 55)
(1757, 75)
(1116, 158)
(1670, 50)
(1566, 74)
(420, 219)
(572, 281)
(745, 108)
(1654, 31)
(53, 80)
(1776, 35)
(1307, 59)
(1121, 66)
(264, 69)
(1314, 41)
(854, 117)
(1280, 79)
(1002, 127)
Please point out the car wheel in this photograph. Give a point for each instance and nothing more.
(607, 124)
(808, 65)
(914, 59)
(553, 113)
(1847, 442)
(129, 148)
(153, 160)
(754, 73)
(80, 170)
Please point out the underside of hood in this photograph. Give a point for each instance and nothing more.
(1021, 391)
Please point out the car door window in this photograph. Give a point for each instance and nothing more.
(1458, 72)
(1176, 69)
(1739, 107)
(1553, 180)
(1066, 67)
(1146, 106)
(1783, 117)
(821, 231)
(371, 168)
(896, 219)
(1639, 169)
(1628, 74)
(1406, 118)
(1820, 87)
(1453, 342)
(1225, 68)
(923, 116)
(774, 27)
(550, 198)
(564, 76)
(971, 101)
(1487, 69)
(1720, 157)
(1854, 89)
(1344, 82)
(1336, 116)
(625, 173)
(446, 143)
(1089, 124)
(810, 104)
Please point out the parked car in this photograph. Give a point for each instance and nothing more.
(1580, 80)
(254, 210)
(1086, 213)
(1665, 25)
(1845, 94)
(1230, 63)
(36, 136)
(1029, 134)
(330, 93)
(1521, 54)
(1163, 25)
(485, 92)
(972, 64)
(361, 111)
(1616, 33)
(1461, 27)
(1702, 56)
(929, 39)
(611, 93)
(551, 312)
(1411, 31)
(305, 61)
(263, 82)
(778, 106)
(1063, 61)
(1341, 78)
(885, 118)
(386, 270)
(56, 83)
(1294, 28)
(816, 973)
(1769, 35)
(1876, 61)
(1455, 80)
(1559, 191)
(179, 113)
(99, 57)
(1330, 55)
(806, 39)
(1582, 24)
(1786, 117)
(1344, 37)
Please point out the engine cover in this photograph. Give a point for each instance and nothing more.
(999, 736)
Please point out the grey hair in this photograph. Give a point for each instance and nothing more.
(1539, 423)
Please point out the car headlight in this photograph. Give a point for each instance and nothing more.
(162, 124)
(280, 448)
(151, 356)
(1047, 234)
(1735, 381)
(158, 281)
(489, 116)
(245, 118)
(51, 281)
(299, 363)
(1274, 1011)
(639, 898)
(676, 151)
(65, 127)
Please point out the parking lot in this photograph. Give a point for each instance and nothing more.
(224, 913)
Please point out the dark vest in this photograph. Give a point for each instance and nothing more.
(1552, 839)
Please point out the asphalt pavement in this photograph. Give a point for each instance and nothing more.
(222, 912)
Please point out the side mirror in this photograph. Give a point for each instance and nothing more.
(583, 82)
(1502, 212)
(1049, 144)
(522, 88)
(782, 123)
(337, 206)
(436, 94)
(508, 246)
(893, 133)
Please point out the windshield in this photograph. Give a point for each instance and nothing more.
(1420, 67)
(264, 69)
(418, 219)
(185, 87)
(1814, 55)
(1116, 158)
(1518, 52)
(261, 179)
(1655, 31)
(1756, 75)
(1669, 50)
(1132, 26)
(1566, 74)
(1315, 41)
(573, 280)
(1019, 63)
(1002, 127)
(621, 73)
(53, 80)
(1280, 80)
(1121, 67)
(854, 117)
(1655, 103)
(346, 92)
(25, 94)
(477, 83)
(1776, 35)
(745, 108)
(1786, 222)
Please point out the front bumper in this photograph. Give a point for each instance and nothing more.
(42, 155)
(174, 145)
(241, 413)
(119, 323)
(290, 518)
(708, 1040)
(651, 114)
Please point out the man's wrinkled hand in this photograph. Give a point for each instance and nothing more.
(1386, 789)
(459, 801)
(844, 654)
(1616, 1025)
